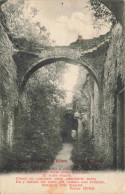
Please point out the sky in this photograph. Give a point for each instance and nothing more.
(70, 79)
(66, 19)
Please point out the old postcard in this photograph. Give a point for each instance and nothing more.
(62, 97)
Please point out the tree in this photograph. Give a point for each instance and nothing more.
(101, 12)
(116, 7)
(40, 118)
(37, 120)
(19, 17)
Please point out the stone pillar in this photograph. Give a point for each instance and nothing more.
(10, 130)
(80, 127)
(80, 133)
(92, 115)
(80, 130)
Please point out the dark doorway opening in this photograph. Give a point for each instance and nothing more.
(68, 124)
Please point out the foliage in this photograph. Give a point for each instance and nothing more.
(101, 12)
(37, 118)
(37, 123)
(21, 23)
(85, 158)
(84, 154)
(6, 158)
(42, 103)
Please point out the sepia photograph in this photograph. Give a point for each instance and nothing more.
(62, 96)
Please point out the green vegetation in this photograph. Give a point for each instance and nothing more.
(102, 12)
(37, 116)
(84, 157)
(37, 137)
(22, 26)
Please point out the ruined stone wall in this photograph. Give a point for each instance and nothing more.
(113, 69)
(8, 87)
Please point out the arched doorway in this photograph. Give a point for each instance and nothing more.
(69, 124)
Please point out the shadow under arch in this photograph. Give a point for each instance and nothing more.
(48, 61)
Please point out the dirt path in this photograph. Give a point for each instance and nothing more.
(63, 158)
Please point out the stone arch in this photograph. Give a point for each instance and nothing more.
(48, 61)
